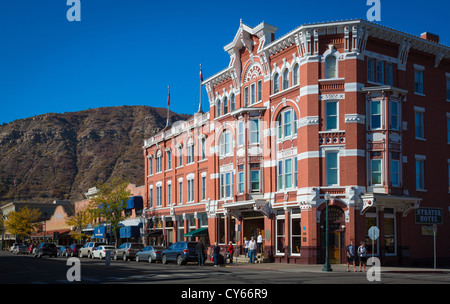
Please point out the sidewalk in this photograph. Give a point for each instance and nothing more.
(335, 268)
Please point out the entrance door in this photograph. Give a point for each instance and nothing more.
(334, 250)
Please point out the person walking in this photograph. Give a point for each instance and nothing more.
(230, 251)
(216, 253)
(201, 253)
(246, 247)
(351, 256)
(362, 254)
(251, 250)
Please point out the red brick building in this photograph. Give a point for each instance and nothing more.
(351, 108)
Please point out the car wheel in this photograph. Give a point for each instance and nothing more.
(124, 257)
(137, 259)
(100, 256)
(180, 260)
(164, 259)
(150, 260)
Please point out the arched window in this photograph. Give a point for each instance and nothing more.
(295, 75)
(286, 122)
(232, 105)
(225, 143)
(331, 67)
(218, 108)
(276, 83)
(225, 105)
(285, 79)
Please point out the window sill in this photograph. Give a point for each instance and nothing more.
(419, 94)
(421, 190)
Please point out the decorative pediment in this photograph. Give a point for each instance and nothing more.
(254, 71)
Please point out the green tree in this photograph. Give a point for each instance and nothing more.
(23, 222)
(110, 203)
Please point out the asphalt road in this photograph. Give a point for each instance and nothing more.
(245, 280)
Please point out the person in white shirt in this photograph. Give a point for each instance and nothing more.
(259, 240)
(246, 247)
(252, 249)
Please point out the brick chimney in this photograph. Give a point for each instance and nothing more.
(430, 37)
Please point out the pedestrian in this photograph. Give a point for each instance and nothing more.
(230, 251)
(216, 253)
(246, 247)
(201, 253)
(259, 240)
(351, 256)
(251, 249)
(362, 254)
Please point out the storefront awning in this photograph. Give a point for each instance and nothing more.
(197, 232)
(402, 203)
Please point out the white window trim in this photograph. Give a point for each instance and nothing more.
(279, 217)
(294, 216)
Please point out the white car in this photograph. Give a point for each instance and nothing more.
(101, 251)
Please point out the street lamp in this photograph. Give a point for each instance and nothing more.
(327, 266)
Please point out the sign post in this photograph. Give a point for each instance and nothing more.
(374, 233)
(434, 244)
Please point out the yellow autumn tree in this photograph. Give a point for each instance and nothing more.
(78, 222)
(22, 223)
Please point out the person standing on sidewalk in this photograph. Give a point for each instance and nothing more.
(251, 250)
(246, 247)
(216, 253)
(259, 241)
(362, 254)
(351, 256)
(201, 253)
(230, 251)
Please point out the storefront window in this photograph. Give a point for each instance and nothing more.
(280, 234)
(371, 220)
(232, 230)
(221, 229)
(296, 231)
(389, 231)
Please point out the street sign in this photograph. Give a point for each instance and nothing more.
(374, 233)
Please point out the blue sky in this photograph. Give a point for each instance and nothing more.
(126, 52)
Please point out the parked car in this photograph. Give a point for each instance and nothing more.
(127, 251)
(14, 246)
(73, 250)
(101, 251)
(150, 254)
(62, 250)
(21, 248)
(181, 252)
(45, 249)
(32, 248)
(87, 249)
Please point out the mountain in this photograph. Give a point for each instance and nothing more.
(60, 156)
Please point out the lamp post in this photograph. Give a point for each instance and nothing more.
(327, 266)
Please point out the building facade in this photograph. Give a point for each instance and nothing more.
(351, 109)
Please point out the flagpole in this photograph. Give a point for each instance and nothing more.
(201, 78)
